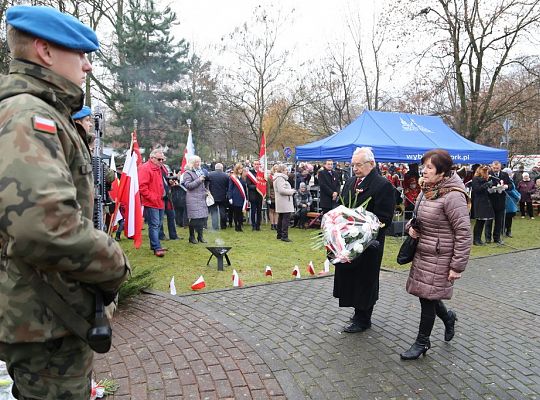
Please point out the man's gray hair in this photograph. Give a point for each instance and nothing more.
(155, 152)
(367, 151)
(218, 166)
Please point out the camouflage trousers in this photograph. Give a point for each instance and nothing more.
(58, 369)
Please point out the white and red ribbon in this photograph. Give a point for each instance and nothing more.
(240, 187)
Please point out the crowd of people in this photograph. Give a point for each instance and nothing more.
(58, 275)
(496, 194)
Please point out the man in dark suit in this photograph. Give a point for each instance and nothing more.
(329, 187)
(497, 196)
(218, 186)
(356, 284)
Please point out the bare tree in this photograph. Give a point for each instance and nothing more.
(259, 75)
(332, 100)
(480, 40)
(369, 59)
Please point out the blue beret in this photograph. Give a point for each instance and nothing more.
(50, 24)
(83, 112)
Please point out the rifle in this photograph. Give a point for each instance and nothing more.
(100, 193)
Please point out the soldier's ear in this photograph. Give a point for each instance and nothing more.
(43, 52)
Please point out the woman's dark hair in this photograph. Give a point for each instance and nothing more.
(440, 159)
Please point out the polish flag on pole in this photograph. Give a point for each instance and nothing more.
(128, 196)
(112, 164)
(326, 269)
(172, 287)
(296, 272)
(261, 173)
(188, 151)
(310, 268)
(237, 282)
(268, 271)
(135, 147)
(198, 284)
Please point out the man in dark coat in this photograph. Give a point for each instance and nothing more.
(255, 198)
(500, 180)
(329, 187)
(218, 186)
(356, 284)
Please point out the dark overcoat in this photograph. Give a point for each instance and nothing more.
(218, 185)
(356, 284)
(498, 200)
(480, 197)
(328, 184)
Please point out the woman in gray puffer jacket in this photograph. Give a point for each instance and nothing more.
(197, 210)
(444, 231)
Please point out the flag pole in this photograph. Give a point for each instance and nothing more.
(122, 185)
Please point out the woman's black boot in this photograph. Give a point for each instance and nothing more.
(420, 347)
(449, 326)
(192, 235)
(477, 232)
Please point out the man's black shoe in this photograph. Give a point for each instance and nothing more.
(499, 241)
(355, 327)
(286, 240)
(488, 240)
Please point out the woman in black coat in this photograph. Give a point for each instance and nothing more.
(483, 210)
(356, 284)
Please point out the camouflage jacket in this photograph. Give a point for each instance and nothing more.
(46, 206)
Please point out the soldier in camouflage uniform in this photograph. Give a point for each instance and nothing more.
(46, 206)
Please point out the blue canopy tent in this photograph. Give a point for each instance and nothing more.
(398, 137)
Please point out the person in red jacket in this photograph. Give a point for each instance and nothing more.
(152, 192)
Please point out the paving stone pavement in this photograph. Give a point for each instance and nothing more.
(284, 340)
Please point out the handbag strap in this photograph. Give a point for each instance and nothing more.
(75, 323)
(415, 212)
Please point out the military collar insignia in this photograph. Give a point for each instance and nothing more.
(42, 124)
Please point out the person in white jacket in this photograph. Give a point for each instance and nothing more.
(284, 202)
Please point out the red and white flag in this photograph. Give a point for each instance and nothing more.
(112, 163)
(189, 151)
(237, 282)
(326, 269)
(135, 147)
(172, 287)
(296, 272)
(268, 271)
(198, 284)
(261, 173)
(310, 268)
(129, 197)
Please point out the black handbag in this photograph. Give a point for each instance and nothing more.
(407, 250)
(408, 247)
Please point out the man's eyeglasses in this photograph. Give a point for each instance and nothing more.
(358, 165)
(159, 159)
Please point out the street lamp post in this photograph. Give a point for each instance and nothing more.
(507, 125)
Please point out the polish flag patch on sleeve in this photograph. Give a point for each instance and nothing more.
(44, 124)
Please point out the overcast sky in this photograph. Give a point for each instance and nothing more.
(316, 23)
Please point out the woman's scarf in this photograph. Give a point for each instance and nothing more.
(199, 172)
(434, 191)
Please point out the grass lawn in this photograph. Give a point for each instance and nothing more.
(252, 251)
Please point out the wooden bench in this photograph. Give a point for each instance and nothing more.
(314, 219)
